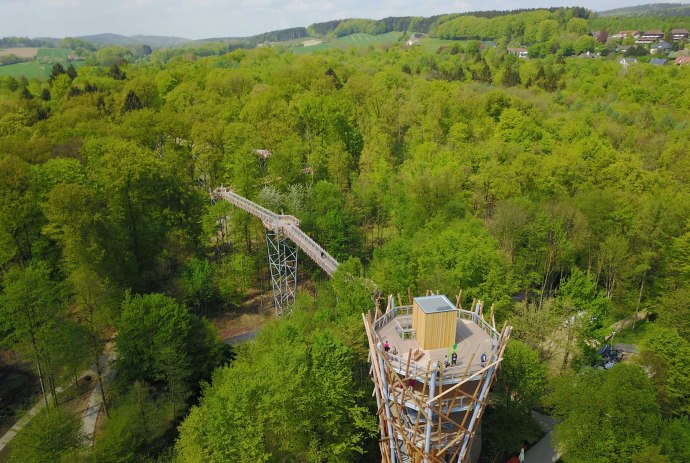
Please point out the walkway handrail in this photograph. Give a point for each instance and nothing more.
(286, 224)
(243, 203)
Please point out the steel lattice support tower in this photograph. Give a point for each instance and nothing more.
(283, 238)
(282, 261)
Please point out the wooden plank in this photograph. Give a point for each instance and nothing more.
(438, 405)
(377, 380)
(413, 397)
(483, 370)
(424, 392)
(469, 442)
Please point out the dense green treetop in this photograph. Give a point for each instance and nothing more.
(555, 187)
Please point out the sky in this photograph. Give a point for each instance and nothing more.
(196, 19)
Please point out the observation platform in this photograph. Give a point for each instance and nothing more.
(472, 335)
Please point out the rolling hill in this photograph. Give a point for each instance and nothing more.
(651, 9)
(154, 41)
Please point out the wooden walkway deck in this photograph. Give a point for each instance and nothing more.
(285, 224)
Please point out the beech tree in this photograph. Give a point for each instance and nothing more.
(160, 341)
(29, 307)
(51, 436)
(606, 415)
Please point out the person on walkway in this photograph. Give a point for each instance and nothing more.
(446, 363)
(522, 455)
(386, 346)
(483, 359)
(454, 358)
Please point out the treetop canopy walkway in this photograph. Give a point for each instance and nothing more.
(282, 256)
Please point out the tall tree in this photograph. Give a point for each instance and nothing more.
(606, 415)
(29, 306)
(160, 341)
(51, 436)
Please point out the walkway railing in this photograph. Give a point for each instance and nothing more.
(285, 224)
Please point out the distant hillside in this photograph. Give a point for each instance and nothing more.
(282, 35)
(652, 9)
(154, 41)
(345, 27)
(342, 27)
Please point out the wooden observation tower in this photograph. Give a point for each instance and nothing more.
(433, 364)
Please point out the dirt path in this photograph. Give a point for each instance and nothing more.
(241, 338)
(248, 318)
(543, 451)
(95, 403)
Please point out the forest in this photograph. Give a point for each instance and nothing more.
(555, 188)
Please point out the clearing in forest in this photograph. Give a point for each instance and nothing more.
(30, 70)
(60, 53)
(22, 52)
(353, 40)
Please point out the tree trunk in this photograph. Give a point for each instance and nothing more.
(639, 300)
(247, 238)
(51, 381)
(547, 271)
(38, 367)
(133, 227)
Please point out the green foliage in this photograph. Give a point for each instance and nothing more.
(159, 341)
(234, 277)
(460, 256)
(197, 284)
(135, 428)
(579, 294)
(352, 291)
(560, 183)
(51, 436)
(519, 388)
(331, 222)
(301, 407)
(675, 440)
(30, 306)
(132, 102)
(666, 356)
(607, 415)
(20, 218)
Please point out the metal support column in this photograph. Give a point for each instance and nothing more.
(430, 413)
(282, 261)
(387, 399)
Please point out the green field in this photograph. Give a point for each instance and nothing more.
(353, 40)
(30, 70)
(62, 53)
(431, 44)
(39, 68)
